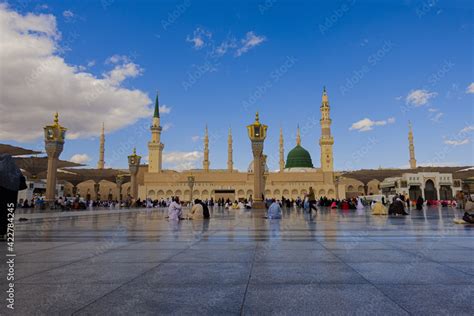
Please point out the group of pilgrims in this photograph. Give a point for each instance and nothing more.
(399, 205)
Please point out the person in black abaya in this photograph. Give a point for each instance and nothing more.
(397, 207)
(419, 203)
(11, 181)
(205, 210)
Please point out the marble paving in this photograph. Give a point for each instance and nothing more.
(136, 262)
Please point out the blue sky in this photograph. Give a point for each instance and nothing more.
(217, 62)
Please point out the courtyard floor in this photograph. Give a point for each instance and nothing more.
(106, 262)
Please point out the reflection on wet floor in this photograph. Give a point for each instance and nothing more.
(340, 262)
(138, 224)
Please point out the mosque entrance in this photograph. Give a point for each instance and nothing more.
(430, 191)
(225, 194)
(445, 192)
(414, 192)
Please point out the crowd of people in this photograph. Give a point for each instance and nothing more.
(399, 205)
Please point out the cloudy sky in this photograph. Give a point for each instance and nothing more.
(217, 62)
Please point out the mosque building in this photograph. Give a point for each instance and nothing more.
(292, 180)
(296, 174)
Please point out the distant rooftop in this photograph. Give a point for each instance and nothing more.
(16, 151)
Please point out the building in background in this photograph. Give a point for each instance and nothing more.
(428, 185)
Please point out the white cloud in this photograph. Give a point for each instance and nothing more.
(225, 46)
(91, 63)
(457, 142)
(164, 109)
(470, 88)
(68, 14)
(40, 82)
(432, 110)
(437, 117)
(251, 40)
(399, 98)
(121, 72)
(167, 126)
(367, 124)
(196, 138)
(115, 59)
(467, 129)
(80, 158)
(419, 97)
(199, 38)
(182, 160)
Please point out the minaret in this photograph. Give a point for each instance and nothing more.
(230, 163)
(205, 162)
(326, 141)
(411, 147)
(101, 162)
(282, 152)
(155, 147)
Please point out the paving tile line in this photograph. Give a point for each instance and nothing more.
(368, 281)
(444, 264)
(68, 263)
(40, 220)
(168, 260)
(249, 278)
(426, 258)
(69, 243)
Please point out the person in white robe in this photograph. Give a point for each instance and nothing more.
(274, 211)
(196, 211)
(175, 210)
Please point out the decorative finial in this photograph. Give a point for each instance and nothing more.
(134, 151)
(56, 118)
(256, 117)
(298, 136)
(325, 95)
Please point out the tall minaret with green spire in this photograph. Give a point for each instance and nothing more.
(155, 147)
(326, 141)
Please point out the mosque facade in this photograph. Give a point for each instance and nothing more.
(295, 175)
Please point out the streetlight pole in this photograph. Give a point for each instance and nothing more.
(257, 133)
(54, 136)
(191, 181)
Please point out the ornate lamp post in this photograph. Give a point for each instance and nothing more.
(133, 165)
(191, 181)
(119, 181)
(257, 133)
(54, 136)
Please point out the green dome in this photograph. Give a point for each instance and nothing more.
(299, 157)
